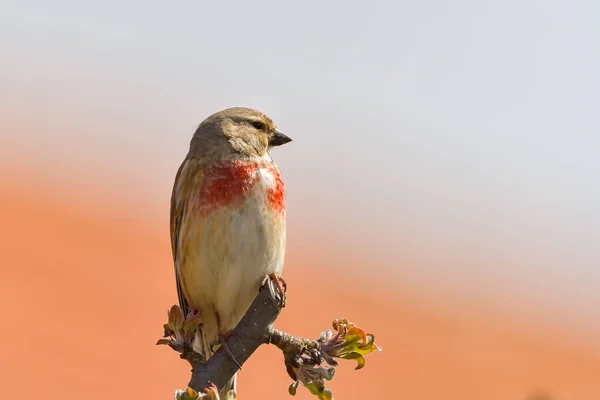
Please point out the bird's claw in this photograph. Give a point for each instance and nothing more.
(222, 340)
(280, 286)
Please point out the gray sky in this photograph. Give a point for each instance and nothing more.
(423, 131)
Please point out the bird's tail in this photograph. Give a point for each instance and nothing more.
(206, 343)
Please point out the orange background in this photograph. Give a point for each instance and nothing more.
(86, 287)
(442, 188)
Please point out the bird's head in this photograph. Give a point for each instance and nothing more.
(237, 131)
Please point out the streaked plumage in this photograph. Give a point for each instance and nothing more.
(227, 219)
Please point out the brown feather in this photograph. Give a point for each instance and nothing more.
(227, 219)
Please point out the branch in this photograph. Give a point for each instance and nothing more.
(302, 357)
(253, 330)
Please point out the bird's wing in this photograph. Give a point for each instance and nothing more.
(179, 197)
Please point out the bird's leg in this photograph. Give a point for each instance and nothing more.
(194, 315)
(223, 336)
(280, 285)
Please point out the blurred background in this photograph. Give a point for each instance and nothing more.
(442, 188)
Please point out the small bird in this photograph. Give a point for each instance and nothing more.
(227, 221)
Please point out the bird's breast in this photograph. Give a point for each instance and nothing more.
(231, 183)
(232, 236)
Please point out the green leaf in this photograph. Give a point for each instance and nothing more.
(188, 394)
(175, 318)
(293, 387)
(190, 326)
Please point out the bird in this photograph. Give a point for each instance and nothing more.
(228, 221)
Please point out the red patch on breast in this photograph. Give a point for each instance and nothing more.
(226, 184)
(229, 183)
(276, 194)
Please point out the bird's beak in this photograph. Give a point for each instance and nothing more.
(278, 138)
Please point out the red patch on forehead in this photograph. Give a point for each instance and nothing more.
(262, 114)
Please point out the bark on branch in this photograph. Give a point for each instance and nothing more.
(255, 328)
(309, 362)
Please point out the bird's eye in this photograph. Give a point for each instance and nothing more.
(258, 125)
